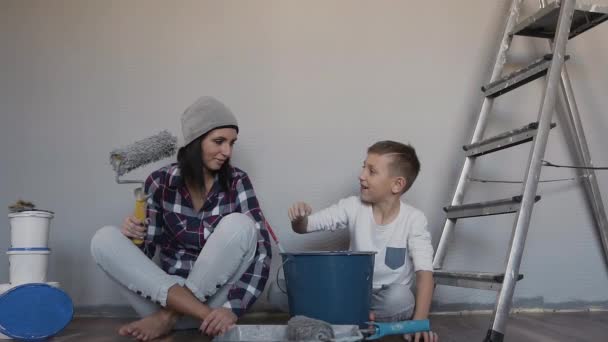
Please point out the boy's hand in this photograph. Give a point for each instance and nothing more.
(298, 215)
(422, 337)
(299, 211)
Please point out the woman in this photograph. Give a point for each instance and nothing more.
(214, 246)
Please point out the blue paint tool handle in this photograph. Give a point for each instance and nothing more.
(399, 328)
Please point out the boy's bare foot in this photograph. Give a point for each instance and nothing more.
(148, 328)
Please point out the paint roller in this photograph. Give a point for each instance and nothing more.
(140, 153)
(144, 152)
(302, 328)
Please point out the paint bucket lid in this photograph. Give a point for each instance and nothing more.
(31, 250)
(32, 213)
(34, 312)
(8, 286)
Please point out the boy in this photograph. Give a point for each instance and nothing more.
(379, 221)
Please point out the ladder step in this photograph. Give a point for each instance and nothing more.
(516, 79)
(473, 280)
(497, 207)
(502, 141)
(543, 23)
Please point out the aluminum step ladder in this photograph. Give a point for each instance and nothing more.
(557, 22)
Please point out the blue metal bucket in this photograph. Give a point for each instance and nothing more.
(335, 287)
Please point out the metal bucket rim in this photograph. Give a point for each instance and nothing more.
(33, 213)
(328, 253)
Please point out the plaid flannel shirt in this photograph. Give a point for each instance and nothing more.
(181, 233)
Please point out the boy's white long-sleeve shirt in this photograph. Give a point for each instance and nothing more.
(402, 246)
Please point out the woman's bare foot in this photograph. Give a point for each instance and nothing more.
(148, 328)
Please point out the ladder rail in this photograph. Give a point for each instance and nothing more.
(590, 183)
(505, 296)
(564, 20)
(480, 127)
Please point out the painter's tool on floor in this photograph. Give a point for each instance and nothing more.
(266, 333)
(140, 153)
(381, 329)
(301, 328)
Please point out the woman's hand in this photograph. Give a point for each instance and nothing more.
(133, 228)
(218, 321)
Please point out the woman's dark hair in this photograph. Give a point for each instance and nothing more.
(190, 163)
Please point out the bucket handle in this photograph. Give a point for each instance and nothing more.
(279, 272)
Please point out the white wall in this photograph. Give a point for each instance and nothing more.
(313, 83)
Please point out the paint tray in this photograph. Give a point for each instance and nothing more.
(272, 333)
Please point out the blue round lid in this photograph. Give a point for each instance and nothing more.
(34, 312)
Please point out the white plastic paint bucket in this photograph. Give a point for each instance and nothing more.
(30, 228)
(28, 265)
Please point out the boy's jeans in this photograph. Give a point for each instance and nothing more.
(390, 303)
(227, 254)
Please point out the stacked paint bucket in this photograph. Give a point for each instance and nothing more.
(29, 252)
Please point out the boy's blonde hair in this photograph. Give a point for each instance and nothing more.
(404, 163)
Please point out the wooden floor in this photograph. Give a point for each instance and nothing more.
(571, 327)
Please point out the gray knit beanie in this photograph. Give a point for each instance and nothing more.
(204, 115)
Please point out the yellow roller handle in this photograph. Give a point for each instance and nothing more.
(140, 211)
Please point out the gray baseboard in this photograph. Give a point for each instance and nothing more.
(110, 311)
(525, 304)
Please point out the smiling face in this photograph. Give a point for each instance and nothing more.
(377, 182)
(217, 148)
